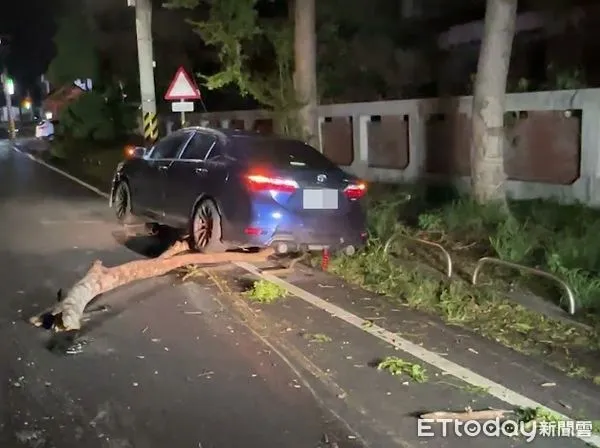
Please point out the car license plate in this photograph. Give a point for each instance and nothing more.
(326, 199)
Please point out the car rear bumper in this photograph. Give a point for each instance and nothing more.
(269, 224)
(334, 236)
(287, 242)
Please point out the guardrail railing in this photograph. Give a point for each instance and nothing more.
(533, 271)
(438, 246)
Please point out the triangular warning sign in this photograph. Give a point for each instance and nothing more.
(182, 87)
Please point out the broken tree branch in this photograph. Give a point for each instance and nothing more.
(177, 248)
(468, 414)
(66, 315)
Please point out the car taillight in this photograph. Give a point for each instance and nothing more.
(355, 191)
(259, 182)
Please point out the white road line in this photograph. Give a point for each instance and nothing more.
(497, 390)
(468, 376)
(64, 173)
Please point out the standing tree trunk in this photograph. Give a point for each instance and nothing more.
(305, 77)
(487, 144)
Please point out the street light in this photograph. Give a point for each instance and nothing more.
(9, 86)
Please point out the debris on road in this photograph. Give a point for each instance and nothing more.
(367, 324)
(67, 314)
(285, 269)
(398, 366)
(565, 405)
(76, 348)
(33, 438)
(317, 337)
(263, 291)
(330, 443)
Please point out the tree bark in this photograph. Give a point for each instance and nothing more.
(488, 138)
(305, 61)
(66, 315)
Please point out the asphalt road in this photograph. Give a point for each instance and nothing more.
(167, 363)
(163, 366)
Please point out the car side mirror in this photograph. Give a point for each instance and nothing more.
(135, 152)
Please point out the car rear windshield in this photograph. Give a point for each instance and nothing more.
(281, 153)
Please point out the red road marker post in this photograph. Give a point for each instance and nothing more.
(325, 259)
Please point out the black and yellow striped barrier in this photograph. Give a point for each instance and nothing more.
(150, 126)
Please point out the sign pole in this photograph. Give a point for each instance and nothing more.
(182, 116)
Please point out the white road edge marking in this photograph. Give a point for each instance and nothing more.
(64, 173)
(468, 376)
(497, 390)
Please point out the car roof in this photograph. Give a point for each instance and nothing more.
(225, 132)
(229, 133)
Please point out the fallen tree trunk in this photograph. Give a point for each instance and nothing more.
(66, 315)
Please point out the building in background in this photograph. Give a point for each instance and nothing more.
(54, 103)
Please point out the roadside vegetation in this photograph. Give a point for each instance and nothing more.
(94, 162)
(94, 125)
(559, 239)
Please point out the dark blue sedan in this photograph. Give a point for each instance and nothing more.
(230, 189)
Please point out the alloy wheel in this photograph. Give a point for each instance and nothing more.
(203, 225)
(121, 202)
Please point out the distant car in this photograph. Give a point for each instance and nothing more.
(231, 189)
(44, 130)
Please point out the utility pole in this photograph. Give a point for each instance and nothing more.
(8, 101)
(305, 75)
(4, 42)
(143, 27)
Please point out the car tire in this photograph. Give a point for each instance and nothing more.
(206, 231)
(122, 203)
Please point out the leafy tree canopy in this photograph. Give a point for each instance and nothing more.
(76, 55)
(255, 54)
(96, 116)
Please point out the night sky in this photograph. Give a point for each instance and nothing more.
(29, 24)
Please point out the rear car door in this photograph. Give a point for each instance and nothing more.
(189, 177)
(150, 183)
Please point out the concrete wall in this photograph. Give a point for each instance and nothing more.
(552, 149)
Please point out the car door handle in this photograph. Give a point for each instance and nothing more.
(201, 170)
(163, 167)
